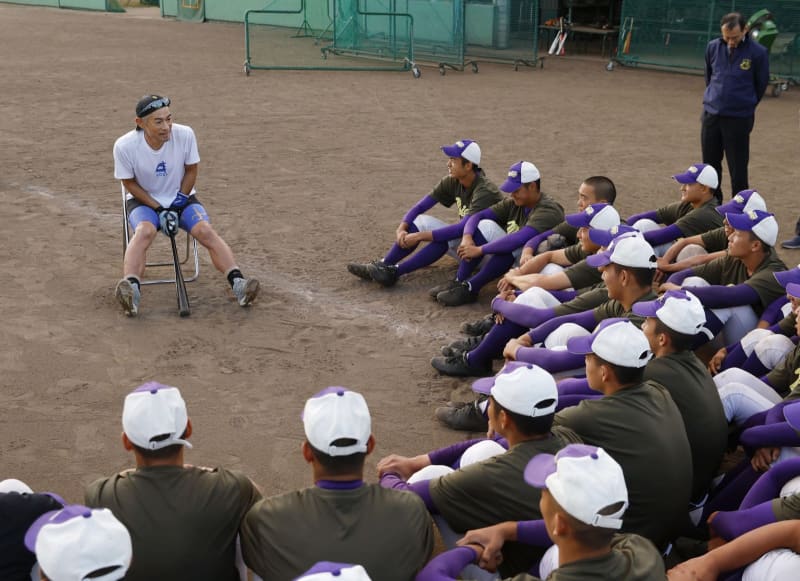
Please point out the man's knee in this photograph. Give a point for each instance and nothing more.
(204, 233)
(145, 232)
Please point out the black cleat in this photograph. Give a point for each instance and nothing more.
(440, 288)
(385, 274)
(479, 327)
(457, 366)
(461, 345)
(360, 269)
(466, 417)
(457, 296)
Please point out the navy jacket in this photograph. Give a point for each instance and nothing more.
(734, 86)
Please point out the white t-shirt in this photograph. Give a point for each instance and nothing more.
(158, 172)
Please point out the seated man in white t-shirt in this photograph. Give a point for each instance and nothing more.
(158, 164)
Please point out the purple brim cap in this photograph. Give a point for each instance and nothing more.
(579, 220)
(793, 290)
(733, 207)
(54, 517)
(785, 277)
(452, 150)
(326, 567)
(604, 237)
(599, 259)
(485, 384)
(511, 185)
(792, 415)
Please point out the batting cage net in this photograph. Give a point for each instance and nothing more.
(102, 5)
(674, 33)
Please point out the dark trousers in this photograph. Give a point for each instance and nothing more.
(729, 136)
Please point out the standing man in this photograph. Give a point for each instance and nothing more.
(158, 163)
(737, 74)
(466, 186)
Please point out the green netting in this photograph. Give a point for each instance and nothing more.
(503, 30)
(101, 5)
(674, 33)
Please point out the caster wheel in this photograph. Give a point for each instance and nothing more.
(516, 68)
(474, 67)
(247, 69)
(610, 66)
(416, 72)
(776, 91)
(442, 70)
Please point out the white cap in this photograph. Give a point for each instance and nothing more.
(627, 250)
(74, 542)
(327, 571)
(617, 341)
(154, 416)
(522, 388)
(14, 485)
(679, 310)
(585, 481)
(334, 414)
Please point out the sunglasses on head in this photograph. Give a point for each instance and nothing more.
(154, 106)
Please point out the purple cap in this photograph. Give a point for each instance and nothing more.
(793, 290)
(679, 310)
(522, 172)
(325, 570)
(543, 465)
(699, 173)
(742, 202)
(465, 148)
(762, 224)
(792, 414)
(604, 237)
(784, 277)
(54, 517)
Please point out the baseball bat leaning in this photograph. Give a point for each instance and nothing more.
(180, 285)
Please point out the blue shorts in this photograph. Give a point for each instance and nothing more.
(190, 216)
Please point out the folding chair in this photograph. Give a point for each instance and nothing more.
(189, 253)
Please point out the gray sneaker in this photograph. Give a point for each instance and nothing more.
(245, 290)
(128, 295)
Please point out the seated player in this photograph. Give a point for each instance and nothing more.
(466, 186)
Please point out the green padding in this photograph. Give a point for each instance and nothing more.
(53, 3)
(191, 10)
(100, 5)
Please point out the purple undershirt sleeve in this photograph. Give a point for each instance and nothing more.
(421, 489)
(769, 485)
(769, 436)
(534, 533)
(474, 220)
(510, 242)
(448, 455)
(447, 565)
(663, 235)
(450, 232)
(651, 215)
(773, 314)
(719, 297)
(585, 319)
(680, 276)
(536, 240)
(423, 205)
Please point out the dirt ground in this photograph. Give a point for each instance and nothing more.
(301, 172)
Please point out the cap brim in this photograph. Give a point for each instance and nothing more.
(647, 308)
(685, 178)
(510, 186)
(484, 385)
(580, 345)
(33, 530)
(599, 259)
(785, 277)
(538, 469)
(792, 415)
(734, 207)
(451, 151)
(579, 220)
(793, 290)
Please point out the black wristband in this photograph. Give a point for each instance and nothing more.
(160, 209)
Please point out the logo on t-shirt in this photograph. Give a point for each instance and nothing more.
(745, 66)
(511, 227)
(161, 169)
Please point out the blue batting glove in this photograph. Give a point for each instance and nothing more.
(180, 201)
(169, 222)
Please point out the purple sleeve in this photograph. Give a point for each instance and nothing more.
(534, 533)
(451, 231)
(510, 242)
(474, 220)
(421, 489)
(550, 360)
(536, 240)
(773, 314)
(651, 215)
(769, 436)
(718, 296)
(680, 276)
(775, 413)
(730, 525)
(769, 485)
(423, 205)
(447, 565)
(524, 315)
(448, 455)
(663, 235)
(585, 319)
(574, 386)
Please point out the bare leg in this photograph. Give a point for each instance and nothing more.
(135, 254)
(221, 254)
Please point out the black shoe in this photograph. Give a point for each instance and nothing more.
(440, 288)
(385, 274)
(466, 417)
(360, 269)
(461, 345)
(457, 366)
(457, 296)
(479, 327)
(792, 244)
